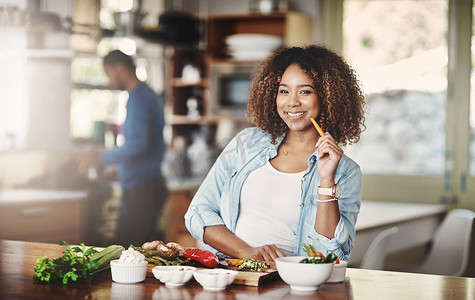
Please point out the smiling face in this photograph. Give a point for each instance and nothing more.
(297, 100)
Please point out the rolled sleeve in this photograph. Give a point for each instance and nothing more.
(334, 245)
(196, 220)
(349, 205)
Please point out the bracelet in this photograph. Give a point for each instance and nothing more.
(329, 200)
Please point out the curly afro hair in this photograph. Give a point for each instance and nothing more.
(341, 99)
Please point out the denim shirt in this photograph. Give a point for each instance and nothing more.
(141, 155)
(217, 200)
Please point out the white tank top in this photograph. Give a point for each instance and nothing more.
(269, 208)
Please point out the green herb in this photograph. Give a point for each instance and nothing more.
(319, 260)
(78, 264)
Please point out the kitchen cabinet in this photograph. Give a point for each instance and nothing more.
(175, 230)
(42, 215)
(187, 92)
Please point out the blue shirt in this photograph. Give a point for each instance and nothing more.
(141, 155)
(217, 200)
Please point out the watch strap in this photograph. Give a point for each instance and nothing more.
(325, 191)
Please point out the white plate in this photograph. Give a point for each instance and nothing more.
(250, 55)
(262, 40)
(251, 47)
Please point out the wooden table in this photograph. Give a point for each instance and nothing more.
(17, 260)
(416, 222)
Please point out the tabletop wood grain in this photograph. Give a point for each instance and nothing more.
(17, 260)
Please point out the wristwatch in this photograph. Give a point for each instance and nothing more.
(334, 191)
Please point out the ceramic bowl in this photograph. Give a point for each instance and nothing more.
(339, 272)
(173, 275)
(128, 273)
(215, 279)
(300, 276)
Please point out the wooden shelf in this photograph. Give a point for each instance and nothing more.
(185, 120)
(86, 86)
(178, 82)
(294, 28)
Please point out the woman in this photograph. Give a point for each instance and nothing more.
(261, 198)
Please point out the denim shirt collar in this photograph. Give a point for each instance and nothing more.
(268, 144)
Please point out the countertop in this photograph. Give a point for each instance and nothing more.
(17, 260)
(15, 196)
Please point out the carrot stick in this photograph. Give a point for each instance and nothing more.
(320, 131)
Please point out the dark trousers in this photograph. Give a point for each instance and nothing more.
(139, 213)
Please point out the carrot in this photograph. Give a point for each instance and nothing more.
(315, 124)
(235, 262)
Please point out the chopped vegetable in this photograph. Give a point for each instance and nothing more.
(249, 264)
(236, 262)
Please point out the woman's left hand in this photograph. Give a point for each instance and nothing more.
(329, 155)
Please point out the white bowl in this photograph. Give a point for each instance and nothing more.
(173, 275)
(300, 276)
(215, 279)
(128, 273)
(339, 272)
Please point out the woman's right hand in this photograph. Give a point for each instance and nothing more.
(223, 240)
(265, 252)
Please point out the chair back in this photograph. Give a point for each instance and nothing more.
(375, 256)
(451, 245)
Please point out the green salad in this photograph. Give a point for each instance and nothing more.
(319, 260)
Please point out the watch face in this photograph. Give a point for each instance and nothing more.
(337, 191)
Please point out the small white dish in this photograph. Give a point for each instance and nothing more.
(214, 279)
(300, 276)
(173, 275)
(128, 273)
(339, 272)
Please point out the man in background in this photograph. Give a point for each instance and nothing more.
(144, 191)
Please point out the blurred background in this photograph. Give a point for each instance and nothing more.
(413, 59)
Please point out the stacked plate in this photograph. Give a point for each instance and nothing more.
(252, 46)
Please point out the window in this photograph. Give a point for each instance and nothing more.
(94, 107)
(402, 64)
(413, 59)
(472, 103)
